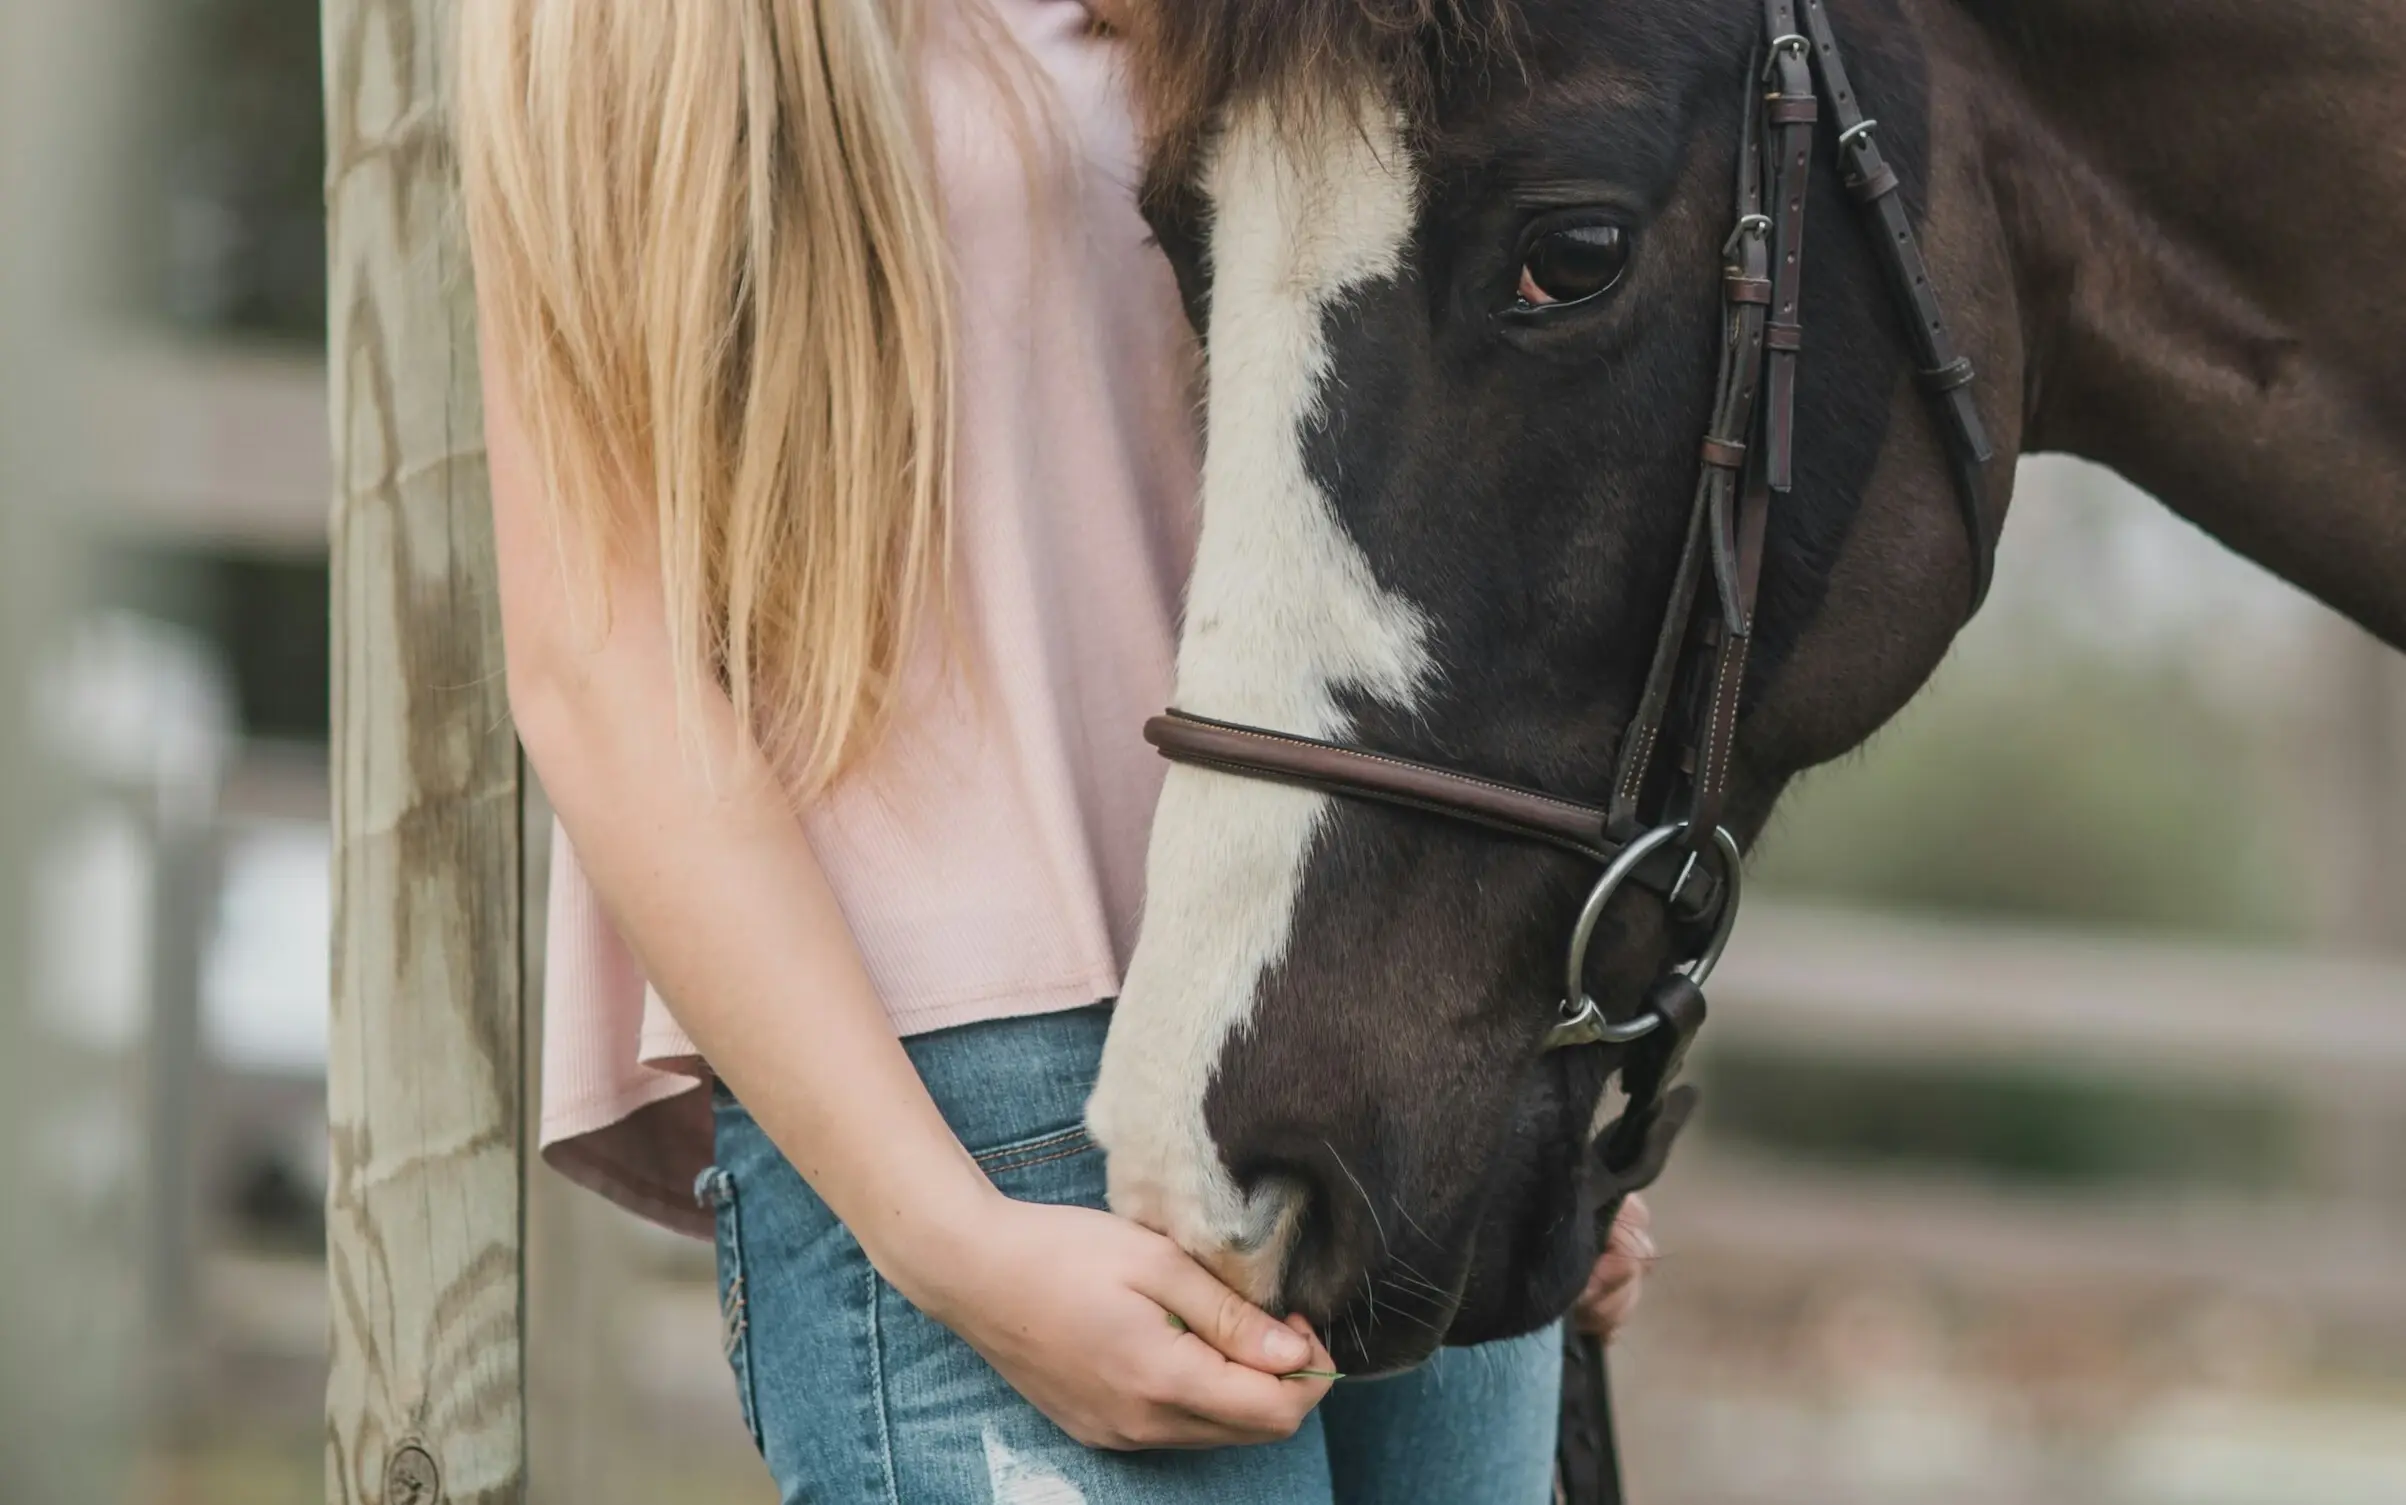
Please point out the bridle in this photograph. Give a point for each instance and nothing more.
(1675, 843)
(1699, 661)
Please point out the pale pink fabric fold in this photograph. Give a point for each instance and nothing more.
(990, 859)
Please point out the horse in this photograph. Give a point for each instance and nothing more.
(1469, 282)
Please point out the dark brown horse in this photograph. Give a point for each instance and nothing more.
(1458, 264)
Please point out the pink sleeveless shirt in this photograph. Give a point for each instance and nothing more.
(989, 859)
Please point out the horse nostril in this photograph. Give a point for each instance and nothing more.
(1251, 1258)
(1316, 1230)
(1251, 1272)
(1241, 1236)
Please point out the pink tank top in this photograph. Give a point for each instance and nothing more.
(990, 858)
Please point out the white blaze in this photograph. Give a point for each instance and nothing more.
(1282, 614)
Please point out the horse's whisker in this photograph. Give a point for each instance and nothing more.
(1368, 1205)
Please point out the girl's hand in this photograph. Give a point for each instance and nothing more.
(1113, 1332)
(1612, 1289)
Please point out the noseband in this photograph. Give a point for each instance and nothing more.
(1675, 844)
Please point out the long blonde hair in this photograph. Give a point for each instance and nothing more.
(709, 234)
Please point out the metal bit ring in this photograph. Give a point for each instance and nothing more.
(1582, 1022)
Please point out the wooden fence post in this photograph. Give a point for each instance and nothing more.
(426, 1204)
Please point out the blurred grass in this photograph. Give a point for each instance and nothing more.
(2075, 791)
(2026, 1123)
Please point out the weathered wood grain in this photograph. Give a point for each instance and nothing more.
(580, 1417)
(426, 1207)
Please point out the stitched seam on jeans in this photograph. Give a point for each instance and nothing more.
(877, 1388)
(998, 1156)
(1073, 1145)
(1073, 1150)
(735, 1307)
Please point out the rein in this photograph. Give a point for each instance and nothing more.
(1681, 852)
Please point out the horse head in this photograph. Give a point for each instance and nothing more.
(1460, 269)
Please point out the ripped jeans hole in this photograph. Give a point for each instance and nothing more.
(1020, 1480)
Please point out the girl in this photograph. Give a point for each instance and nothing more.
(842, 452)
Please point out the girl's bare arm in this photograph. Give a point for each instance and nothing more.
(696, 854)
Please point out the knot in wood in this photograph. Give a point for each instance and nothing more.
(411, 1478)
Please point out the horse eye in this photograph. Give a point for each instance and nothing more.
(1574, 265)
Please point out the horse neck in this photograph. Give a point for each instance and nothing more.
(2203, 203)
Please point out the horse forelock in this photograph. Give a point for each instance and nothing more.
(1194, 60)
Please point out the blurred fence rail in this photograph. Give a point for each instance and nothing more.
(2296, 1188)
(2001, 1214)
(1880, 984)
(207, 443)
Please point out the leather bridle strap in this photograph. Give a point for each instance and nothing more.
(1507, 809)
(1762, 302)
(1745, 452)
(1946, 374)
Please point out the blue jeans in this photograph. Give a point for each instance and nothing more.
(856, 1397)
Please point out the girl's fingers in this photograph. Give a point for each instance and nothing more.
(1263, 1407)
(1629, 1249)
(1614, 1285)
(1235, 1327)
(1604, 1317)
(1234, 1365)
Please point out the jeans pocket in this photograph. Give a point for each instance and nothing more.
(1062, 1166)
(715, 1190)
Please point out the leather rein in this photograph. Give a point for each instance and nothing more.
(1680, 850)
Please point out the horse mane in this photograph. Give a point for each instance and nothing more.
(1193, 59)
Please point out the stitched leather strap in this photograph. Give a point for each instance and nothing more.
(1791, 112)
(1510, 809)
(1625, 1158)
(1587, 1462)
(1750, 292)
(1898, 250)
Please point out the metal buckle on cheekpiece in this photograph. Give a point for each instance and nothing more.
(1582, 1022)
